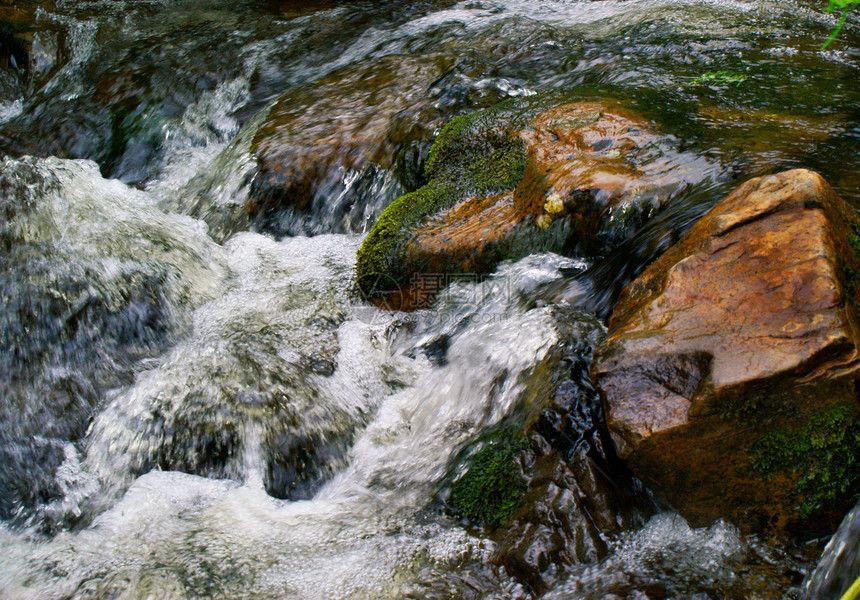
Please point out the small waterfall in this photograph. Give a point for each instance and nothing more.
(839, 566)
(96, 279)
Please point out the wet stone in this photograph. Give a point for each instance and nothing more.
(358, 123)
(742, 336)
(529, 175)
(840, 561)
(577, 494)
(298, 467)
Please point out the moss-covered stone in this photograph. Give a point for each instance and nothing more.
(492, 488)
(459, 165)
(538, 174)
(822, 454)
(473, 154)
(380, 252)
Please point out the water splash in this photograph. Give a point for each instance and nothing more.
(95, 280)
(840, 563)
(369, 528)
(666, 556)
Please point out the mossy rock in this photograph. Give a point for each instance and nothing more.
(473, 154)
(547, 173)
(492, 488)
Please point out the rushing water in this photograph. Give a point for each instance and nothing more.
(191, 407)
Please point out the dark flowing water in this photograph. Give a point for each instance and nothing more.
(193, 405)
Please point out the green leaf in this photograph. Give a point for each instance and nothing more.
(845, 5)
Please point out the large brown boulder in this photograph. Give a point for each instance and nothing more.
(729, 371)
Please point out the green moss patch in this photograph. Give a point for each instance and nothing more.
(824, 455)
(492, 488)
(721, 78)
(749, 407)
(852, 275)
(381, 252)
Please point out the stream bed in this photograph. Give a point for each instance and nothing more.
(198, 403)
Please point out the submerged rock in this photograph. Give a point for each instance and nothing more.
(768, 140)
(323, 141)
(730, 366)
(533, 174)
(330, 155)
(122, 88)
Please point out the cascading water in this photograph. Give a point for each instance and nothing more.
(194, 408)
(836, 571)
(278, 376)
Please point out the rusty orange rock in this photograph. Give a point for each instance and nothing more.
(533, 174)
(583, 161)
(738, 343)
(587, 146)
(465, 235)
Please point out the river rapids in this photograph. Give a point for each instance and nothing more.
(194, 405)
